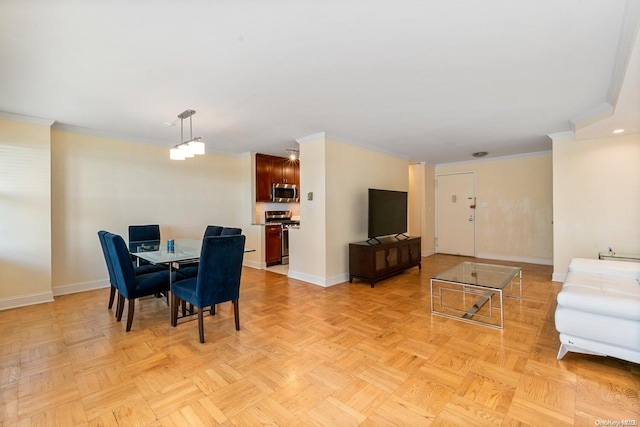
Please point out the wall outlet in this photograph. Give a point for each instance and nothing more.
(310, 195)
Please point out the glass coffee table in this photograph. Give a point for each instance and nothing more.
(473, 292)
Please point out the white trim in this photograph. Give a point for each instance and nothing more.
(425, 254)
(516, 258)
(74, 288)
(24, 300)
(28, 119)
(490, 159)
(319, 281)
(558, 277)
(254, 264)
(562, 135)
(313, 137)
(107, 134)
(347, 141)
(629, 28)
(591, 116)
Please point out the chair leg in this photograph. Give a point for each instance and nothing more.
(236, 314)
(120, 307)
(201, 324)
(175, 302)
(132, 308)
(112, 295)
(212, 310)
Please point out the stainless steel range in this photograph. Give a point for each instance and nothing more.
(284, 219)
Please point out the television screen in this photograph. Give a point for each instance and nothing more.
(387, 212)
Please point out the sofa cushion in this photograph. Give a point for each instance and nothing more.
(610, 268)
(601, 294)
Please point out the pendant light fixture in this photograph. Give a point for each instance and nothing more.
(192, 146)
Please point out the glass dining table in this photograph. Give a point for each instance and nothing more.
(184, 251)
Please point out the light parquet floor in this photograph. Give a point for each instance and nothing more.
(305, 355)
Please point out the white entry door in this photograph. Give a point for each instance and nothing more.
(455, 214)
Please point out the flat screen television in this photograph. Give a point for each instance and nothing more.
(387, 212)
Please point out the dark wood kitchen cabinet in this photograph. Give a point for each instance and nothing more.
(273, 244)
(272, 169)
(376, 261)
(264, 167)
(291, 172)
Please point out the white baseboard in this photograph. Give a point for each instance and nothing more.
(24, 300)
(318, 281)
(528, 260)
(558, 277)
(254, 264)
(428, 253)
(80, 287)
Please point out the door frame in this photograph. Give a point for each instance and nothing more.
(475, 198)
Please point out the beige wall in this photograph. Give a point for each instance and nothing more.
(596, 189)
(307, 245)
(351, 171)
(25, 213)
(422, 205)
(516, 223)
(100, 183)
(339, 176)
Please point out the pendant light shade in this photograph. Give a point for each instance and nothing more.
(196, 146)
(176, 154)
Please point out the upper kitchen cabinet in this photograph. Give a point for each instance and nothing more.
(291, 172)
(272, 169)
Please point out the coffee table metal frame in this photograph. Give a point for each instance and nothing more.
(481, 281)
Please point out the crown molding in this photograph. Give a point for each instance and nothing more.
(27, 119)
(562, 135)
(591, 116)
(497, 159)
(319, 135)
(628, 33)
(105, 134)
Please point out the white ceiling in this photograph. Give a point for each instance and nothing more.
(431, 81)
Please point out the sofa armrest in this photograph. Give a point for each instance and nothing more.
(630, 270)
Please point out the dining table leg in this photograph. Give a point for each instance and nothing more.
(172, 321)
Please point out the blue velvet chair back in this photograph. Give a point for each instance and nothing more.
(139, 233)
(219, 270)
(107, 258)
(123, 271)
(212, 231)
(231, 231)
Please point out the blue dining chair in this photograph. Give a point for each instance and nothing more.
(188, 271)
(138, 270)
(107, 260)
(143, 233)
(140, 233)
(130, 286)
(231, 231)
(213, 231)
(218, 279)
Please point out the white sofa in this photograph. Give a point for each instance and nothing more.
(598, 309)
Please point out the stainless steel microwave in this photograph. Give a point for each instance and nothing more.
(284, 193)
